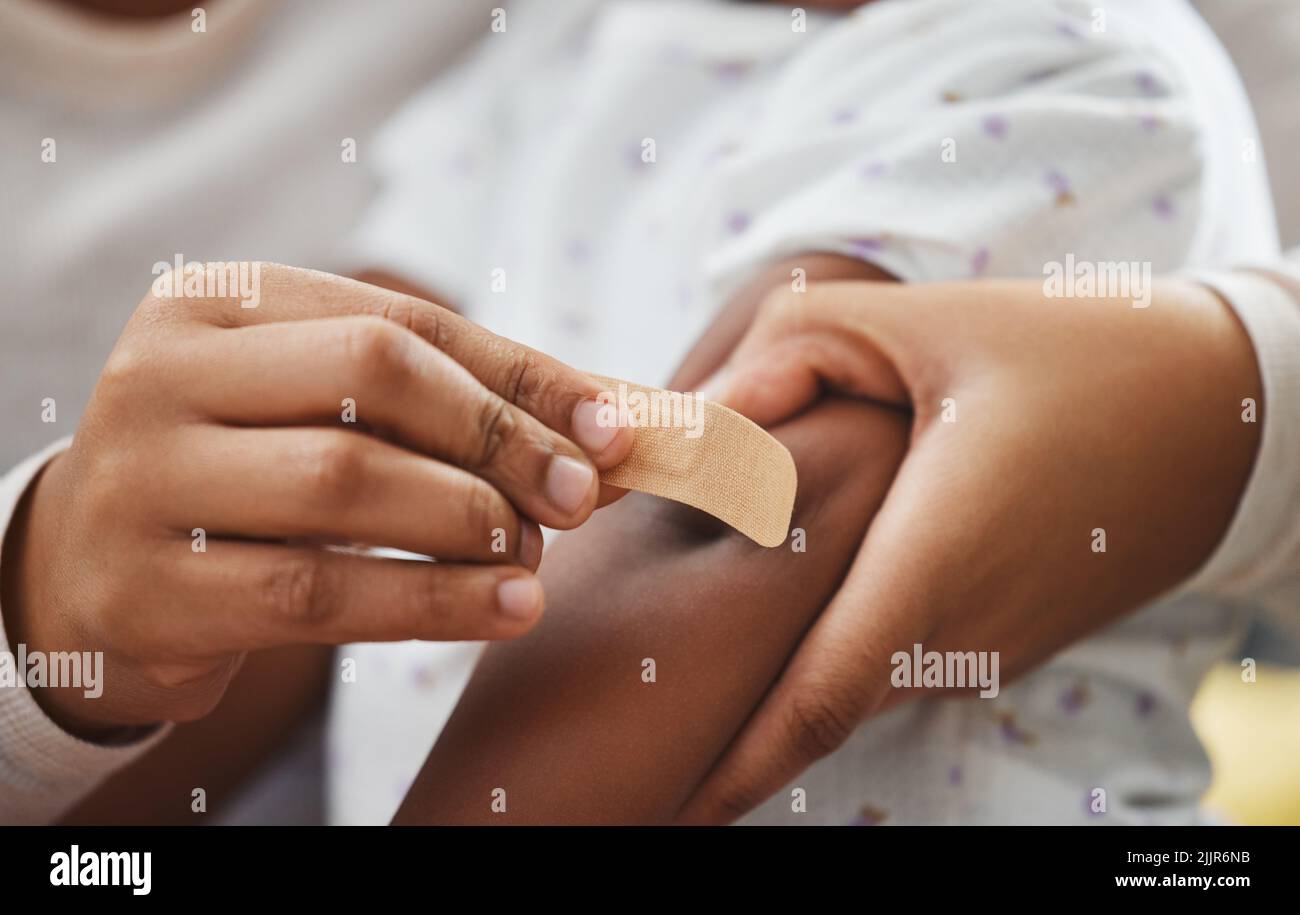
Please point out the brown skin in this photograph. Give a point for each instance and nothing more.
(273, 693)
(1073, 415)
(254, 710)
(133, 9)
(141, 9)
(277, 688)
(531, 720)
(213, 416)
(562, 719)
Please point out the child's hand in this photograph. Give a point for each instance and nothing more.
(224, 445)
(1044, 431)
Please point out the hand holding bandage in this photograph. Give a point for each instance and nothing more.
(231, 437)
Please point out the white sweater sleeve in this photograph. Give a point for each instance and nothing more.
(43, 769)
(1260, 553)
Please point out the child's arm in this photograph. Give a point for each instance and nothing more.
(563, 719)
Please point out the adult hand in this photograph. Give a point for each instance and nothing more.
(218, 455)
(1039, 426)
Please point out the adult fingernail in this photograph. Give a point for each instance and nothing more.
(568, 482)
(590, 432)
(519, 598)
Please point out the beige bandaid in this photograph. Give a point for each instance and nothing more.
(733, 469)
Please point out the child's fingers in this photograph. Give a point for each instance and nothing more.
(892, 599)
(831, 337)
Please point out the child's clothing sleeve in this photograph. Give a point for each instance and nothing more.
(438, 165)
(952, 140)
(424, 223)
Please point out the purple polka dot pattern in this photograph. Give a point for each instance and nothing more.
(869, 816)
(737, 222)
(865, 247)
(1012, 732)
(1069, 30)
(995, 126)
(577, 251)
(873, 169)
(1060, 184)
(632, 155)
(463, 164)
(731, 69)
(424, 677)
(1075, 698)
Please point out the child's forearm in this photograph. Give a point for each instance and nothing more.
(564, 721)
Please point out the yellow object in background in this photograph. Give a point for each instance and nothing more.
(1252, 734)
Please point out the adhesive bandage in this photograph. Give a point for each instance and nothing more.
(702, 454)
